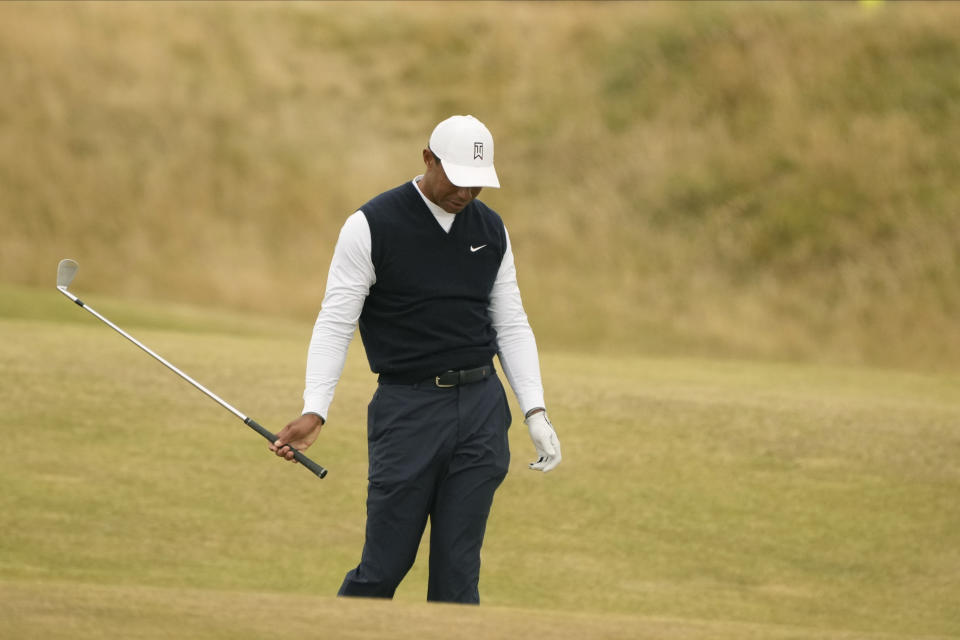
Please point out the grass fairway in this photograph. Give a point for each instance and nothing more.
(697, 498)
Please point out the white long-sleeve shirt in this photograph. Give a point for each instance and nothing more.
(349, 280)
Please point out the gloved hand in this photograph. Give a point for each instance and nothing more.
(545, 440)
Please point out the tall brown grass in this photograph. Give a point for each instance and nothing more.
(747, 179)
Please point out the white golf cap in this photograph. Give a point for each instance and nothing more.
(465, 148)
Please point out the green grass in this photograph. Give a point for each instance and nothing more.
(698, 498)
(736, 229)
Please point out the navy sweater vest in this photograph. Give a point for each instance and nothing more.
(427, 311)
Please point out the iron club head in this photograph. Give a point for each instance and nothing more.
(66, 271)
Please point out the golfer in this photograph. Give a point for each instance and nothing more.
(428, 272)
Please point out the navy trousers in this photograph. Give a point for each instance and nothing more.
(437, 453)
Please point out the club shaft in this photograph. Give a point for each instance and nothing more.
(157, 356)
(253, 424)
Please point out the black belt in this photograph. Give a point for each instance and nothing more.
(447, 379)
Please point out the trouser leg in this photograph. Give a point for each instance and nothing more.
(395, 524)
(465, 493)
(405, 444)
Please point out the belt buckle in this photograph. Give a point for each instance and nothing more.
(442, 386)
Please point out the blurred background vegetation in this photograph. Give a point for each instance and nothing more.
(772, 180)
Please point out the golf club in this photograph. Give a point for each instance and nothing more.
(66, 271)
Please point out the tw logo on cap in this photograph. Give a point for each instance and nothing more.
(478, 150)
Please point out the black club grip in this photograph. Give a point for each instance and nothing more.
(299, 456)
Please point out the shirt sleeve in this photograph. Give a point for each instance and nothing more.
(516, 345)
(348, 283)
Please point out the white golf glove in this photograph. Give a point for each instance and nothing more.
(545, 440)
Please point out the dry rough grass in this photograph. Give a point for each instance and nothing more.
(776, 180)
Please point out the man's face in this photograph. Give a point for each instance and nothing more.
(440, 190)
